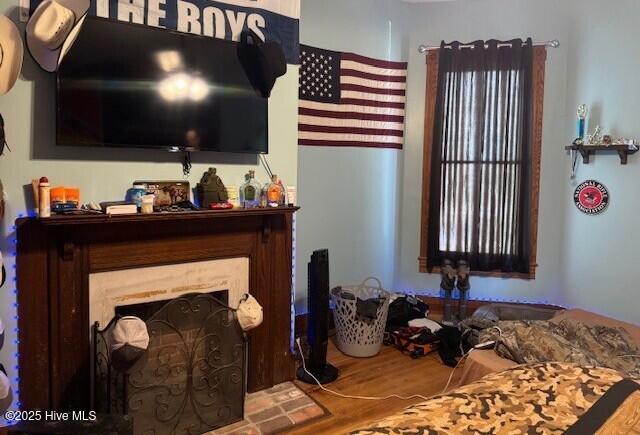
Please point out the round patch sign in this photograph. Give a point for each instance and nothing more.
(591, 197)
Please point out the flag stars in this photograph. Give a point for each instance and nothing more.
(316, 76)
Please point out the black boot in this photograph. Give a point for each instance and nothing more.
(448, 283)
(463, 287)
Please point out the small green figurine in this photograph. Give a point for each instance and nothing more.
(211, 189)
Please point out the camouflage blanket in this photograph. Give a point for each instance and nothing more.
(533, 341)
(543, 398)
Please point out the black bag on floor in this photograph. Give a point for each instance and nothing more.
(449, 348)
(404, 309)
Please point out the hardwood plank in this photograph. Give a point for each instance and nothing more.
(390, 372)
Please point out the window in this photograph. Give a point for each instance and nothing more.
(481, 165)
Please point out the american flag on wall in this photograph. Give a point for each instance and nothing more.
(350, 100)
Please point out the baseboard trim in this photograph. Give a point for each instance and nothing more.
(436, 308)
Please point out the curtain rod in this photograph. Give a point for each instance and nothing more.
(552, 44)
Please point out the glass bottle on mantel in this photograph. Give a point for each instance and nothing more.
(250, 191)
(275, 192)
(283, 193)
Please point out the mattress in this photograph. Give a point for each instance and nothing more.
(545, 398)
(483, 362)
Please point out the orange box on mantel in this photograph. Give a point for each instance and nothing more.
(72, 194)
(58, 195)
(61, 195)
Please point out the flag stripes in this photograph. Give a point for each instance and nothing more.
(350, 100)
(335, 143)
(364, 75)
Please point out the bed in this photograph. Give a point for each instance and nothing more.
(550, 398)
(484, 362)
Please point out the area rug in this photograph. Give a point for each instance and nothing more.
(275, 410)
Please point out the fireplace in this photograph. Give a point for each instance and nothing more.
(191, 379)
(61, 259)
(115, 289)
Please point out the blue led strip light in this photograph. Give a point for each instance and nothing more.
(18, 404)
(432, 294)
(293, 285)
(15, 330)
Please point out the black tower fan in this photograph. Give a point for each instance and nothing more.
(318, 325)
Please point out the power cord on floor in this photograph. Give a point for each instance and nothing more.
(464, 356)
(347, 396)
(485, 345)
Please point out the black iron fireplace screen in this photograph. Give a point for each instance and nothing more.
(191, 379)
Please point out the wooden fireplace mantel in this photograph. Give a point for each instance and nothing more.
(56, 255)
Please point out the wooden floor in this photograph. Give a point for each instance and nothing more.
(390, 372)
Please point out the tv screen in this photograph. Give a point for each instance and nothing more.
(127, 85)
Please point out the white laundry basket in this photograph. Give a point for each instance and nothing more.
(355, 335)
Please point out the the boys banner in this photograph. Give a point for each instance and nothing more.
(272, 20)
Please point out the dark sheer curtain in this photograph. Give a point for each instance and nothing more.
(481, 162)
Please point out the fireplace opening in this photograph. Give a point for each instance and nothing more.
(145, 310)
(191, 379)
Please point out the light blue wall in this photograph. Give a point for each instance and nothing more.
(589, 262)
(349, 196)
(340, 188)
(603, 252)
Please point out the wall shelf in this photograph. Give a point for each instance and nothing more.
(588, 150)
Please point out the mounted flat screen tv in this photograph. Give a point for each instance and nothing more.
(127, 85)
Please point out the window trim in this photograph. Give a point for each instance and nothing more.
(539, 63)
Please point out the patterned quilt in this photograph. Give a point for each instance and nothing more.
(536, 341)
(544, 398)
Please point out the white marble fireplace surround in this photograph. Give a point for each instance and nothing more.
(108, 290)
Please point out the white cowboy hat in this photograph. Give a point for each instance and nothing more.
(49, 27)
(11, 51)
(71, 39)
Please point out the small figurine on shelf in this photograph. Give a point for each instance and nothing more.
(582, 116)
(595, 138)
(211, 189)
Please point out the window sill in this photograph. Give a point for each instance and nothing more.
(423, 268)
